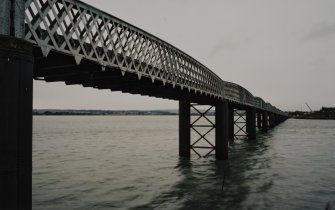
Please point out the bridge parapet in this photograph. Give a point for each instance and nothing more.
(268, 106)
(259, 103)
(80, 30)
(237, 93)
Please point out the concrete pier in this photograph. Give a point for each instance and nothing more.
(221, 130)
(16, 81)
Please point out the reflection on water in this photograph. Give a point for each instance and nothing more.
(132, 163)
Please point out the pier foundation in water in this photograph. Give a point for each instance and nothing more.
(16, 82)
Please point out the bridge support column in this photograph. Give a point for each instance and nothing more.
(264, 121)
(221, 130)
(272, 120)
(16, 81)
(276, 119)
(251, 123)
(259, 120)
(184, 128)
(231, 130)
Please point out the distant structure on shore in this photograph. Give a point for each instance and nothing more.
(325, 113)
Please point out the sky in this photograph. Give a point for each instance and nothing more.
(280, 50)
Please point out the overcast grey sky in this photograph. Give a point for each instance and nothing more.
(280, 50)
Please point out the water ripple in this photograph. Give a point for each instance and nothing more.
(127, 162)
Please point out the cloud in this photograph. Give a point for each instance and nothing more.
(320, 31)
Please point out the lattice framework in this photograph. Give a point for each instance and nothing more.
(240, 123)
(197, 125)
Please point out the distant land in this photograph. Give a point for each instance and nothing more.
(102, 112)
(57, 112)
(325, 113)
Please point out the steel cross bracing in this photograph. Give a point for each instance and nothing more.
(240, 123)
(202, 126)
(77, 29)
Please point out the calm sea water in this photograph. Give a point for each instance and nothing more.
(131, 162)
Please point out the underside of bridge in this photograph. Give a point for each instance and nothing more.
(16, 80)
(58, 67)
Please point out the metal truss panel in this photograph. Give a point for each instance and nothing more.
(202, 129)
(240, 131)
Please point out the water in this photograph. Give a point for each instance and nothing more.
(131, 162)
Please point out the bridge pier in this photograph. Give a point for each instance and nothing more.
(221, 130)
(251, 123)
(245, 123)
(264, 121)
(184, 128)
(16, 82)
(272, 122)
(277, 119)
(220, 125)
(259, 120)
(231, 129)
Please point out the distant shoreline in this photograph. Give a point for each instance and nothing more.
(55, 112)
(73, 112)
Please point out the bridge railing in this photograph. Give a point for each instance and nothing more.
(237, 93)
(84, 32)
(258, 102)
